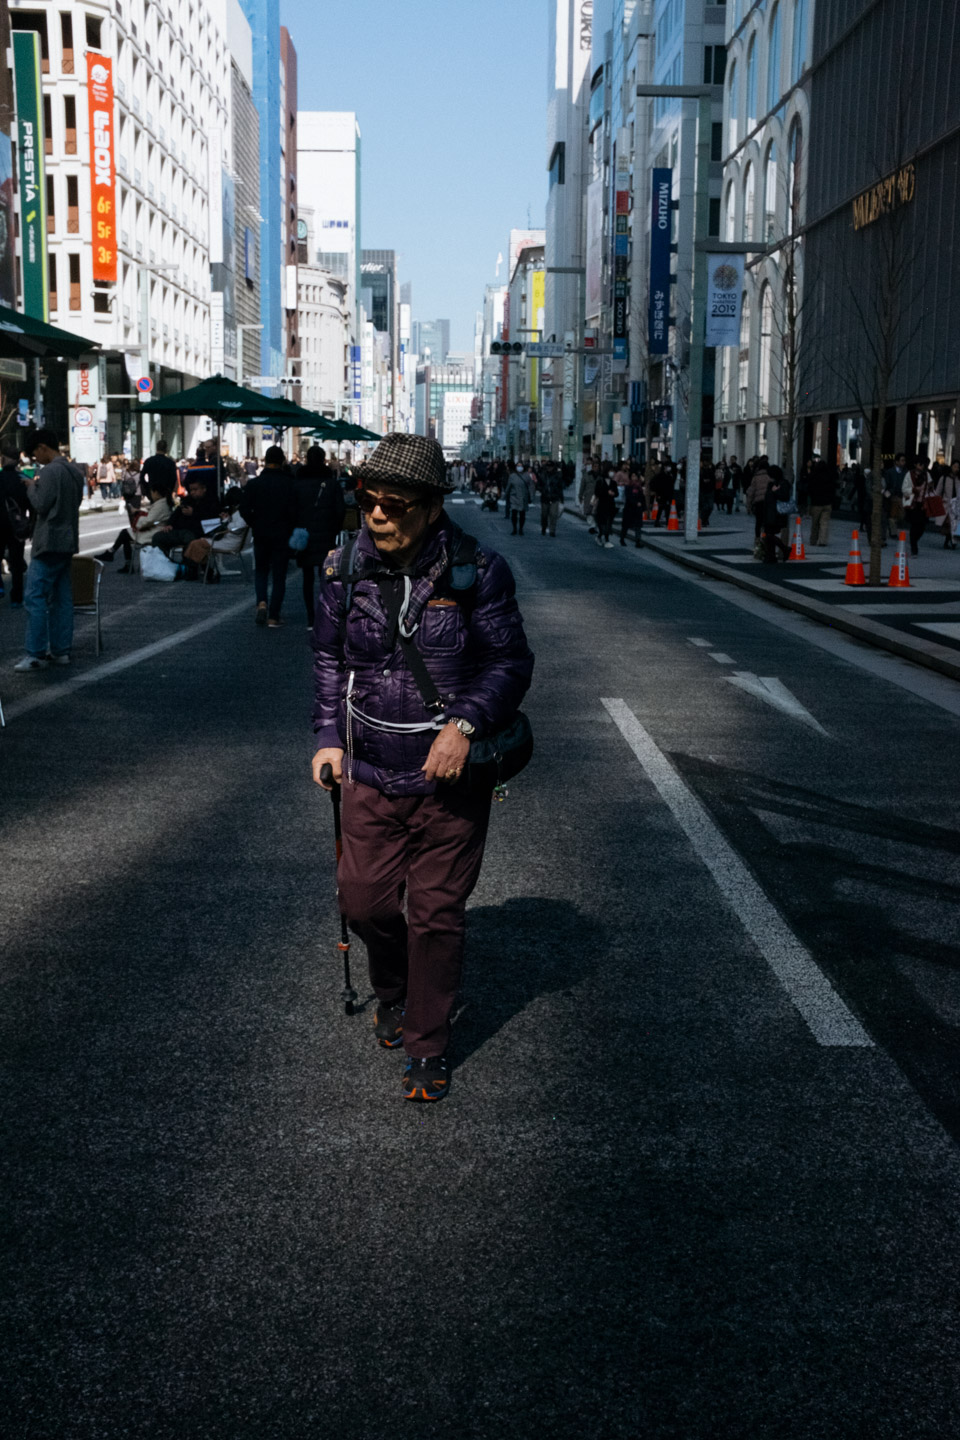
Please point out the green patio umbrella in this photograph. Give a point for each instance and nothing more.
(24, 338)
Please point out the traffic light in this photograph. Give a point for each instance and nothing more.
(506, 347)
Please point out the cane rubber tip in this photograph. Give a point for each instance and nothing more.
(348, 1008)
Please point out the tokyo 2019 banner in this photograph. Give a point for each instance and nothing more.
(724, 289)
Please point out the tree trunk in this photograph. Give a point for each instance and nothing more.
(877, 524)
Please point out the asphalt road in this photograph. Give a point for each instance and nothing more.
(698, 1174)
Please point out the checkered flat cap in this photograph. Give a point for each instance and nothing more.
(413, 460)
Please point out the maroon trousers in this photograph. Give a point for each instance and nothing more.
(429, 847)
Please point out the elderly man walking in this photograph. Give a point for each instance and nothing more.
(420, 653)
(55, 497)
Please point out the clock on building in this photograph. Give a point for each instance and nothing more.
(301, 229)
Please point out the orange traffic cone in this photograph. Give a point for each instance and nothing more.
(900, 574)
(797, 551)
(655, 512)
(855, 575)
(674, 521)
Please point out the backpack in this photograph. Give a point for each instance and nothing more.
(20, 524)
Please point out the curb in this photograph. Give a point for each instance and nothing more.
(871, 632)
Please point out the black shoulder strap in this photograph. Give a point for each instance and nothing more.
(415, 661)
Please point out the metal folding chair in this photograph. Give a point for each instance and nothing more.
(86, 572)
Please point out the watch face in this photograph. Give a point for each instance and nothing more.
(301, 229)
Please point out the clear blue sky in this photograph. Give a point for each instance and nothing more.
(451, 100)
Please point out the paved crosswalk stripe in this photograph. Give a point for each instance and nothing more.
(829, 1020)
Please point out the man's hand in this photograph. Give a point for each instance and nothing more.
(331, 757)
(448, 755)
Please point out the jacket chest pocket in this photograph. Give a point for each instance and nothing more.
(441, 628)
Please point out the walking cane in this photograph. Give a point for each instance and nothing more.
(349, 996)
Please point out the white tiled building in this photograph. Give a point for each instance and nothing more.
(171, 70)
(324, 329)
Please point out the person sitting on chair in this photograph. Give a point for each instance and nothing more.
(186, 523)
(145, 527)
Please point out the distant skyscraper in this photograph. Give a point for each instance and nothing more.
(432, 335)
(328, 158)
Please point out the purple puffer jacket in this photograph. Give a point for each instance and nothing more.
(478, 659)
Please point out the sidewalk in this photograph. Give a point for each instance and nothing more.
(921, 624)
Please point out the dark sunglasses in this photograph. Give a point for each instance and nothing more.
(390, 505)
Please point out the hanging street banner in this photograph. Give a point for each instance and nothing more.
(103, 199)
(659, 318)
(724, 289)
(33, 186)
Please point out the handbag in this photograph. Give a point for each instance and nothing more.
(154, 565)
(935, 508)
(300, 538)
(491, 761)
(786, 507)
(20, 524)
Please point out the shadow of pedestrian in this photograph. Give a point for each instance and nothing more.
(528, 947)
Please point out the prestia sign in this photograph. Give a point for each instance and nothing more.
(103, 203)
(33, 189)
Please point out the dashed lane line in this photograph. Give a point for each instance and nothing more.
(721, 658)
(49, 693)
(829, 1020)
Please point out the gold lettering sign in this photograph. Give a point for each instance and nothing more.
(896, 190)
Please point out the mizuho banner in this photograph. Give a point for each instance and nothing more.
(659, 320)
(724, 289)
(103, 200)
(33, 186)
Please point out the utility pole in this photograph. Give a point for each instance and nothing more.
(703, 94)
(581, 273)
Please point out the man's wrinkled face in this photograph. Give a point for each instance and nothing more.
(397, 518)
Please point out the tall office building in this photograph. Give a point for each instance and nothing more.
(264, 20)
(328, 159)
(432, 336)
(378, 278)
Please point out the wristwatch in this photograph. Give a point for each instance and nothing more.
(464, 726)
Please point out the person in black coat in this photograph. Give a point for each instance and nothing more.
(13, 487)
(269, 508)
(319, 509)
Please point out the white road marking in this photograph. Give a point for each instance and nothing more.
(703, 644)
(721, 658)
(926, 684)
(775, 693)
(838, 587)
(952, 632)
(827, 1017)
(905, 607)
(49, 693)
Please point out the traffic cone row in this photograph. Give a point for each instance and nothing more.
(855, 575)
(654, 512)
(900, 574)
(797, 551)
(674, 521)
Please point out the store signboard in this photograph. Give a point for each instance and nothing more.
(659, 317)
(594, 296)
(33, 188)
(8, 249)
(724, 289)
(103, 198)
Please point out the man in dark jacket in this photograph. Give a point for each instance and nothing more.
(551, 497)
(320, 510)
(408, 827)
(55, 495)
(269, 508)
(13, 488)
(158, 473)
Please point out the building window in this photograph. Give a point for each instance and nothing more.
(751, 116)
(733, 106)
(101, 302)
(74, 266)
(770, 193)
(70, 125)
(730, 219)
(52, 279)
(47, 125)
(73, 205)
(716, 141)
(749, 200)
(51, 206)
(773, 60)
(713, 227)
(93, 32)
(66, 42)
(766, 348)
(794, 160)
(714, 64)
(743, 367)
(558, 164)
(798, 55)
(33, 20)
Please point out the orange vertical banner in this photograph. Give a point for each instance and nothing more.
(103, 201)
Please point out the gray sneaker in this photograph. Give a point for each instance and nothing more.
(31, 662)
(59, 659)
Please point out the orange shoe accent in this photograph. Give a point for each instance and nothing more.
(855, 575)
(797, 551)
(900, 574)
(673, 522)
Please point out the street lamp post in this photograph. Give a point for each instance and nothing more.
(703, 94)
